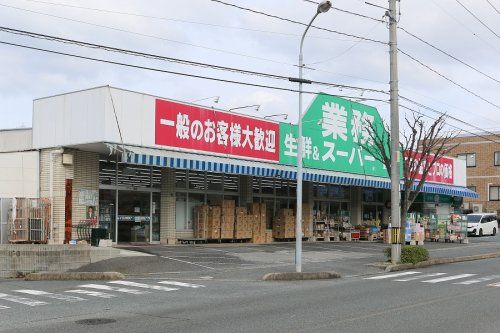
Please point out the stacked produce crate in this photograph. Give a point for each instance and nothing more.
(207, 222)
(284, 223)
(257, 211)
(243, 224)
(228, 219)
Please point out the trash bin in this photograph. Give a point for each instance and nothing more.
(97, 234)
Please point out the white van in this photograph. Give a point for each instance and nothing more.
(480, 224)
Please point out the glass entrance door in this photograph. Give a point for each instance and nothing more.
(134, 216)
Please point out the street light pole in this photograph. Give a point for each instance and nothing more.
(323, 7)
(395, 156)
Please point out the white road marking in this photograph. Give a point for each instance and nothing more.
(388, 276)
(187, 262)
(419, 277)
(91, 293)
(4, 307)
(143, 285)
(110, 288)
(182, 284)
(449, 278)
(495, 284)
(486, 278)
(61, 297)
(22, 300)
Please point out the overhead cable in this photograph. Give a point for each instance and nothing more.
(297, 22)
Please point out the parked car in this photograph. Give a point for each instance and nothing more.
(480, 224)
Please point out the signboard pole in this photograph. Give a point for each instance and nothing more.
(395, 156)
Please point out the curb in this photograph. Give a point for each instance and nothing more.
(61, 276)
(296, 276)
(440, 261)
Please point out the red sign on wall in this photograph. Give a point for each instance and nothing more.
(192, 127)
(441, 171)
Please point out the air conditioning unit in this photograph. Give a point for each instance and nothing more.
(477, 208)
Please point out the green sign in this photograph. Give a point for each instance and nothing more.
(334, 130)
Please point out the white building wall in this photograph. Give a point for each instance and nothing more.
(14, 140)
(19, 175)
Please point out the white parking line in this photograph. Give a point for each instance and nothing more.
(2, 307)
(118, 289)
(495, 284)
(187, 262)
(22, 300)
(486, 278)
(182, 284)
(61, 297)
(449, 278)
(143, 285)
(419, 277)
(388, 276)
(91, 293)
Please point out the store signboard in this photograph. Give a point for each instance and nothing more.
(206, 130)
(441, 172)
(334, 130)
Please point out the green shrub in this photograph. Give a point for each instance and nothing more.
(410, 254)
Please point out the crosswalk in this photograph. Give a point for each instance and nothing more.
(435, 278)
(84, 292)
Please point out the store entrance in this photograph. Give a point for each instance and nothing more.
(134, 216)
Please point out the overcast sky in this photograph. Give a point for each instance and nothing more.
(209, 32)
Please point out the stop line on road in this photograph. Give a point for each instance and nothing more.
(105, 291)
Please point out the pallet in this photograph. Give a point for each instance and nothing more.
(192, 240)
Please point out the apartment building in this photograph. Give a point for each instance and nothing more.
(482, 155)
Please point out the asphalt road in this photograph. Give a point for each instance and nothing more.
(461, 297)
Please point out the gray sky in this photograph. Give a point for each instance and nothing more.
(206, 31)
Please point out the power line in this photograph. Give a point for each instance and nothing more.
(101, 10)
(449, 80)
(477, 18)
(449, 55)
(493, 6)
(171, 59)
(447, 115)
(297, 22)
(150, 36)
(349, 12)
(466, 27)
(174, 72)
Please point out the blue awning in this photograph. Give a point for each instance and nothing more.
(176, 160)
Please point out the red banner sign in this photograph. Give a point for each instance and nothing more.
(192, 127)
(441, 171)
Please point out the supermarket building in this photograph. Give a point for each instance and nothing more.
(140, 164)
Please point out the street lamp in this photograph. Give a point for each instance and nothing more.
(256, 106)
(323, 7)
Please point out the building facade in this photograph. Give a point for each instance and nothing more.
(139, 165)
(482, 156)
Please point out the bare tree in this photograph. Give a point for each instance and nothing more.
(423, 145)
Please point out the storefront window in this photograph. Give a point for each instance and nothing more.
(197, 181)
(194, 200)
(267, 186)
(180, 179)
(134, 175)
(180, 211)
(133, 216)
(156, 178)
(231, 183)
(373, 195)
(107, 212)
(156, 217)
(214, 181)
(107, 172)
(256, 185)
(281, 187)
(372, 213)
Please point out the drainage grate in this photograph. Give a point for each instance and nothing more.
(95, 321)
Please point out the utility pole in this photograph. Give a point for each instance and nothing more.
(395, 155)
